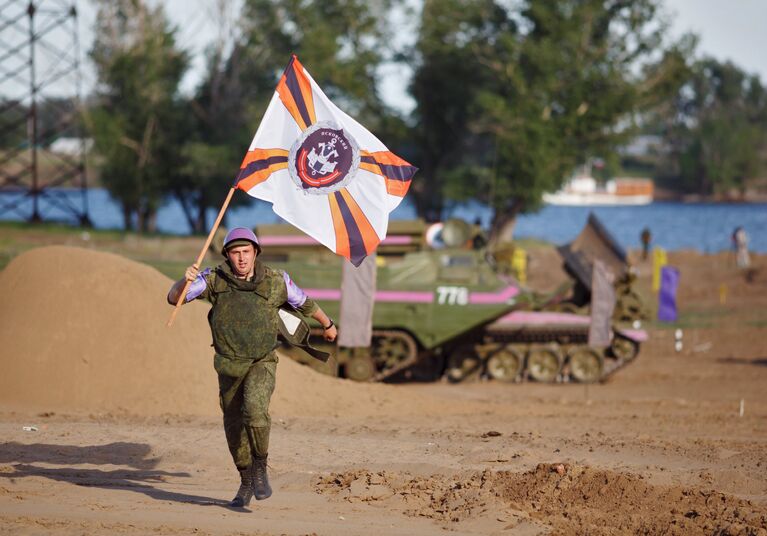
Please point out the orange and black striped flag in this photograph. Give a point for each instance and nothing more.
(322, 171)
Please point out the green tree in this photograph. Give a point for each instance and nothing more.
(446, 84)
(717, 129)
(139, 120)
(219, 133)
(341, 42)
(526, 94)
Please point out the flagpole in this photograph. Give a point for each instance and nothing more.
(201, 256)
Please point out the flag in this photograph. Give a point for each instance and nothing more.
(358, 291)
(659, 260)
(321, 170)
(669, 281)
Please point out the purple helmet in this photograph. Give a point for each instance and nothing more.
(238, 237)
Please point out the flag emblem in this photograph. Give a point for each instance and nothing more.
(323, 159)
(322, 171)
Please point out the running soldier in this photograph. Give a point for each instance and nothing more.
(246, 295)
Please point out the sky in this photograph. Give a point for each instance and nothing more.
(728, 30)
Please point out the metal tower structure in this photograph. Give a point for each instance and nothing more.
(42, 147)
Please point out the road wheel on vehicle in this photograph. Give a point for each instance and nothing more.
(623, 349)
(544, 363)
(463, 364)
(586, 364)
(506, 364)
(360, 368)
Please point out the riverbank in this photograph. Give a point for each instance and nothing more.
(706, 227)
(755, 193)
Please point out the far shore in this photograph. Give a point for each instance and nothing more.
(661, 196)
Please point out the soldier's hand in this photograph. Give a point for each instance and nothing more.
(191, 273)
(330, 333)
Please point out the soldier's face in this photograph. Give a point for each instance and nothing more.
(242, 259)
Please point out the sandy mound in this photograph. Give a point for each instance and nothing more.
(572, 499)
(85, 331)
(81, 330)
(302, 391)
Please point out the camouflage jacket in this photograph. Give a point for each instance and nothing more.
(244, 317)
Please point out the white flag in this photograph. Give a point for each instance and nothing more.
(322, 171)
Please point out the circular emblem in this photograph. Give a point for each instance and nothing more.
(323, 159)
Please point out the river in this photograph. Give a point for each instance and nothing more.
(706, 227)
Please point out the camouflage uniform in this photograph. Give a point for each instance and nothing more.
(244, 323)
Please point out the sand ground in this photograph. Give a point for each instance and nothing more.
(661, 448)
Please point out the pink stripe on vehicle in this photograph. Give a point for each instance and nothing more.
(333, 294)
(637, 335)
(494, 297)
(539, 318)
(286, 241)
(397, 240)
(290, 240)
(404, 296)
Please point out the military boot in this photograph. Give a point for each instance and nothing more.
(261, 487)
(245, 493)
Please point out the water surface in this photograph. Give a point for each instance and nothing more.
(706, 227)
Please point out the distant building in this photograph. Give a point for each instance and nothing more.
(70, 146)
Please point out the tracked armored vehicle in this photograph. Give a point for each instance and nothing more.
(596, 242)
(449, 311)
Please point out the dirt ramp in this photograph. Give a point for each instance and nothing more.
(84, 330)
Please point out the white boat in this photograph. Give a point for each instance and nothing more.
(584, 191)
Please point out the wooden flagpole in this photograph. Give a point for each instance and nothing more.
(202, 254)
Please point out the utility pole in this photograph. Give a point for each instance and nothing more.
(42, 144)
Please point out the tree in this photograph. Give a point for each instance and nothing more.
(219, 132)
(717, 130)
(446, 84)
(546, 86)
(341, 42)
(138, 122)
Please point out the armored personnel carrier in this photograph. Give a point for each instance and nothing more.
(450, 310)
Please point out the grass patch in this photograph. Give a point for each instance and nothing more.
(173, 269)
(168, 253)
(693, 319)
(531, 243)
(5, 258)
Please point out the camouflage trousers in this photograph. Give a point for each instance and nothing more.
(245, 403)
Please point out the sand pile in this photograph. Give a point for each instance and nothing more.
(302, 391)
(81, 330)
(85, 331)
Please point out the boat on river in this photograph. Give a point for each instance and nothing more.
(585, 191)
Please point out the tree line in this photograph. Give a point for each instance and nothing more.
(509, 97)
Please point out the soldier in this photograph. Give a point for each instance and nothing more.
(245, 296)
(646, 237)
(740, 243)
